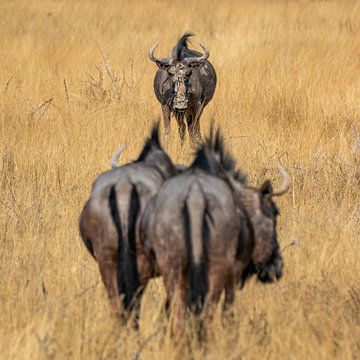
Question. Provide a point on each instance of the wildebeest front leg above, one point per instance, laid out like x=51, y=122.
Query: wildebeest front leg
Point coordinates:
x=145, y=270
x=193, y=122
x=166, y=115
x=182, y=128
x=216, y=285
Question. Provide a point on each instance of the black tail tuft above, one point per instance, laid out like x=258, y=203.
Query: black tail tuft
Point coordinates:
x=116, y=218
x=183, y=41
x=128, y=277
x=198, y=283
x=182, y=44
x=130, y=265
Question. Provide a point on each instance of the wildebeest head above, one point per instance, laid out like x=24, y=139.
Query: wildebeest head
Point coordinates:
x=259, y=204
x=179, y=67
x=267, y=261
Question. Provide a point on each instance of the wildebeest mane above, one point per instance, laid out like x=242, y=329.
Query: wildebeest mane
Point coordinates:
x=181, y=50
x=152, y=142
x=213, y=158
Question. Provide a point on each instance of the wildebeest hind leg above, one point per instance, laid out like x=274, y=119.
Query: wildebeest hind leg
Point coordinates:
x=176, y=292
x=216, y=286
x=108, y=271
x=228, y=310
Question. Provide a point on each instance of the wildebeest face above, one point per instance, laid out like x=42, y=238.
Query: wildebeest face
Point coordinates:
x=263, y=214
x=179, y=70
x=179, y=73
x=269, y=264
x=266, y=258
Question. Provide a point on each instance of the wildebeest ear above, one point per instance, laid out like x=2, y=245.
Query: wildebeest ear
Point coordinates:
x=266, y=188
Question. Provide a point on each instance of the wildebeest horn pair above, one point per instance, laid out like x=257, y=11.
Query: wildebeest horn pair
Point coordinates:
x=184, y=84
x=189, y=60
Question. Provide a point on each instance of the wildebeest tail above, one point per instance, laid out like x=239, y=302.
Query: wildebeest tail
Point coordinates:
x=196, y=234
x=125, y=209
x=178, y=52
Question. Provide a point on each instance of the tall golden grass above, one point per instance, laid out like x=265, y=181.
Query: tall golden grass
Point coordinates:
x=75, y=83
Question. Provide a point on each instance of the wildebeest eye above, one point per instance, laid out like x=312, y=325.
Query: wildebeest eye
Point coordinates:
x=162, y=65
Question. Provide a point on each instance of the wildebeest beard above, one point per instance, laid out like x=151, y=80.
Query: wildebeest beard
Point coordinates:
x=179, y=101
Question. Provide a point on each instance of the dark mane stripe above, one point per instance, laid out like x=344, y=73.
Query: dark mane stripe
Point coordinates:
x=202, y=160
x=152, y=142
x=212, y=157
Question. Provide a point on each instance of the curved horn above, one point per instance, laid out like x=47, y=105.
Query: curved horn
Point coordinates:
x=206, y=53
x=284, y=187
x=151, y=53
x=116, y=156
x=199, y=58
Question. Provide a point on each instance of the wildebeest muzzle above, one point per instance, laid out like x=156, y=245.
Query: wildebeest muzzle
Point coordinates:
x=180, y=101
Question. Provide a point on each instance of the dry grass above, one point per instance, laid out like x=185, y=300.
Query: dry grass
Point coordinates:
x=75, y=82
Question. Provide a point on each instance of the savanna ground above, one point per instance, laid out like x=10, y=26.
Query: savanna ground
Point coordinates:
x=75, y=83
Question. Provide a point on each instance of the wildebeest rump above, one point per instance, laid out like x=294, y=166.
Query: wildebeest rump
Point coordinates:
x=193, y=227
x=184, y=85
x=202, y=234
x=110, y=218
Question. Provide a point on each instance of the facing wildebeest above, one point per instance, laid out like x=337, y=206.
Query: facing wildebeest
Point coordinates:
x=206, y=229
x=110, y=218
x=184, y=85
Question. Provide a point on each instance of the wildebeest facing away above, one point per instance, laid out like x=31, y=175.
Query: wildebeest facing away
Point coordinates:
x=184, y=85
x=205, y=229
x=109, y=223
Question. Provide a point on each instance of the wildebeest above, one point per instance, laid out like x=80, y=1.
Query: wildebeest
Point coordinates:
x=184, y=84
x=205, y=229
x=109, y=223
